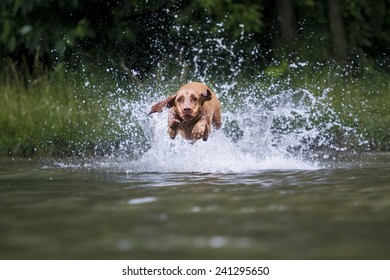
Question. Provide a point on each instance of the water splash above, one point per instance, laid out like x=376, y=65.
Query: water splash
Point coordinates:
x=260, y=131
x=270, y=126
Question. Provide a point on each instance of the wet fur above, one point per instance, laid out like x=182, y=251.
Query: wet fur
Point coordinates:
x=194, y=109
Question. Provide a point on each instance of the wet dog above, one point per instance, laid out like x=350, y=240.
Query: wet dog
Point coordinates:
x=194, y=109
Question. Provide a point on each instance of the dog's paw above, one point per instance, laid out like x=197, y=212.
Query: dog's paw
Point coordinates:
x=199, y=131
x=174, y=124
x=172, y=133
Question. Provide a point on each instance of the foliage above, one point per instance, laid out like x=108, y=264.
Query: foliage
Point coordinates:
x=58, y=113
x=45, y=45
x=135, y=32
x=72, y=114
x=235, y=14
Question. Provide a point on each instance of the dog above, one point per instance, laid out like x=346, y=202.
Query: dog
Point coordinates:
x=194, y=109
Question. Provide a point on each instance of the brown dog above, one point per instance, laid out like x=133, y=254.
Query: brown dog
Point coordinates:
x=193, y=109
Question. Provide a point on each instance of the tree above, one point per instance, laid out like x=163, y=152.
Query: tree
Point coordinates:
x=142, y=33
x=340, y=48
x=287, y=20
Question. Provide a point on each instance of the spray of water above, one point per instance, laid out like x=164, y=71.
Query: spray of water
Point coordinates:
x=264, y=126
x=271, y=132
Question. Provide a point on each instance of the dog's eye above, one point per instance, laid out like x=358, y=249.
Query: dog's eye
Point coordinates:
x=180, y=99
x=194, y=99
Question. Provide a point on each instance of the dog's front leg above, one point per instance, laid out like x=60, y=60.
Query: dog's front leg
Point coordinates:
x=201, y=129
x=173, y=123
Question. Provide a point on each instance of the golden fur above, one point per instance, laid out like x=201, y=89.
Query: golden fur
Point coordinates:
x=194, y=108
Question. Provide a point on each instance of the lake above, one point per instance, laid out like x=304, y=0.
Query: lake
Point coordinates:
x=110, y=208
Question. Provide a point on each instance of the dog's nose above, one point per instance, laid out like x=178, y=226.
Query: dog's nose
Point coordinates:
x=187, y=110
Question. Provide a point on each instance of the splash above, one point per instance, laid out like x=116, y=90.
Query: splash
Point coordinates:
x=262, y=130
x=265, y=125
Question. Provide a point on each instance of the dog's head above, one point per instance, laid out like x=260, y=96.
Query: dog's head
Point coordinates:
x=188, y=103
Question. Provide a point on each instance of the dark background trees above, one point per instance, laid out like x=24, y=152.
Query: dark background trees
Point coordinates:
x=141, y=33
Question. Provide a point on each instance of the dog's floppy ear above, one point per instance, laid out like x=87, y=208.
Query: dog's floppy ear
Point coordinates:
x=206, y=95
x=159, y=106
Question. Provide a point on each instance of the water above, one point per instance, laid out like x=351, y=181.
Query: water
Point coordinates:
x=280, y=180
x=53, y=209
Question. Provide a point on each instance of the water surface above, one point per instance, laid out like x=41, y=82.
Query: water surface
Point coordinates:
x=106, y=209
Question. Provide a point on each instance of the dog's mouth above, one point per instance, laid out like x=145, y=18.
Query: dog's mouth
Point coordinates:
x=187, y=116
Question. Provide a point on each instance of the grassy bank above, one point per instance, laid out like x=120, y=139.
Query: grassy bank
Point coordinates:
x=56, y=113
x=361, y=99
x=70, y=114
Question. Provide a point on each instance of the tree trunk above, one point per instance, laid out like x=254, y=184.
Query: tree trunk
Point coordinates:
x=337, y=29
x=286, y=18
x=378, y=15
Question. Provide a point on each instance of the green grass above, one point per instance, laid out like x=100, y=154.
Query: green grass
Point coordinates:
x=69, y=114
x=53, y=114
x=362, y=100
